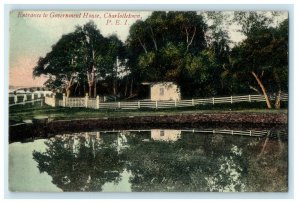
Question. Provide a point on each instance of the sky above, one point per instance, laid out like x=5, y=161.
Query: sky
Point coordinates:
x=32, y=33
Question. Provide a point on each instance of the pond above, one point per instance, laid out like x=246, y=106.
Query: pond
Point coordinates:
x=157, y=160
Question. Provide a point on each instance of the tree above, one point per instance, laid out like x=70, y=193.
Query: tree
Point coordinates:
x=264, y=55
x=218, y=45
x=251, y=20
x=201, y=70
x=193, y=163
x=158, y=46
x=92, y=53
x=112, y=62
x=279, y=47
x=62, y=64
x=80, y=57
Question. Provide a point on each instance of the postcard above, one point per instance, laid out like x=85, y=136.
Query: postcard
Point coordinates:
x=148, y=101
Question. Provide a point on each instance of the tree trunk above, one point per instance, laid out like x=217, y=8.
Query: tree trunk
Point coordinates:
x=277, y=101
x=84, y=89
x=95, y=89
x=143, y=45
x=253, y=88
x=281, y=147
x=76, y=88
x=126, y=87
x=153, y=39
x=131, y=87
x=91, y=81
x=263, y=147
x=189, y=42
x=114, y=88
x=278, y=95
x=91, y=74
x=263, y=90
x=68, y=92
x=90, y=90
x=68, y=86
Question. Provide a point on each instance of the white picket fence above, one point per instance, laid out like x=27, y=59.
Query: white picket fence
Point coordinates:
x=75, y=102
x=143, y=104
x=184, y=103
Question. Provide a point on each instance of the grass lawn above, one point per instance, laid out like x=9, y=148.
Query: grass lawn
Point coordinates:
x=29, y=111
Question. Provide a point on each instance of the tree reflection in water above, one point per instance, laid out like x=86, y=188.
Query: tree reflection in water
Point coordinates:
x=193, y=163
x=183, y=162
x=80, y=163
x=268, y=168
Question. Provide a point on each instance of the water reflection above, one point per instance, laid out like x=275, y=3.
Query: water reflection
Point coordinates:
x=165, y=134
x=81, y=162
x=165, y=160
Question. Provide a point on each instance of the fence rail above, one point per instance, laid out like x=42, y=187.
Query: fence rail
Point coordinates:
x=254, y=133
x=98, y=104
x=27, y=102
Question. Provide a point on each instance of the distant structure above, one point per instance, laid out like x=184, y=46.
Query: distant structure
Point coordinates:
x=162, y=91
x=29, y=90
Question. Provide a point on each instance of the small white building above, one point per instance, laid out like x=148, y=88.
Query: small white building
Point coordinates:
x=164, y=91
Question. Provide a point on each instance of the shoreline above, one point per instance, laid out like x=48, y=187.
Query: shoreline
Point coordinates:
x=46, y=128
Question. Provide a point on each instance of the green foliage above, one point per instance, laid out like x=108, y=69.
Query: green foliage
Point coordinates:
x=189, y=48
x=79, y=57
x=62, y=63
x=265, y=52
x=159, y=46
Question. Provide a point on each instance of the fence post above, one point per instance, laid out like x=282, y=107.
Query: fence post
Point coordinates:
x=86, y=99
x=249, y=98
x=175, y=103
x=213, y=100
x=24, y=98
x=139, y=104
x=97, y=102
x=32, y=98
x=39, y=95
x=193, y=102
x=16, y=99
x=54, y=100
x=64, y=100
x=156, y=104
x=230, y=99
x=119, y=105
